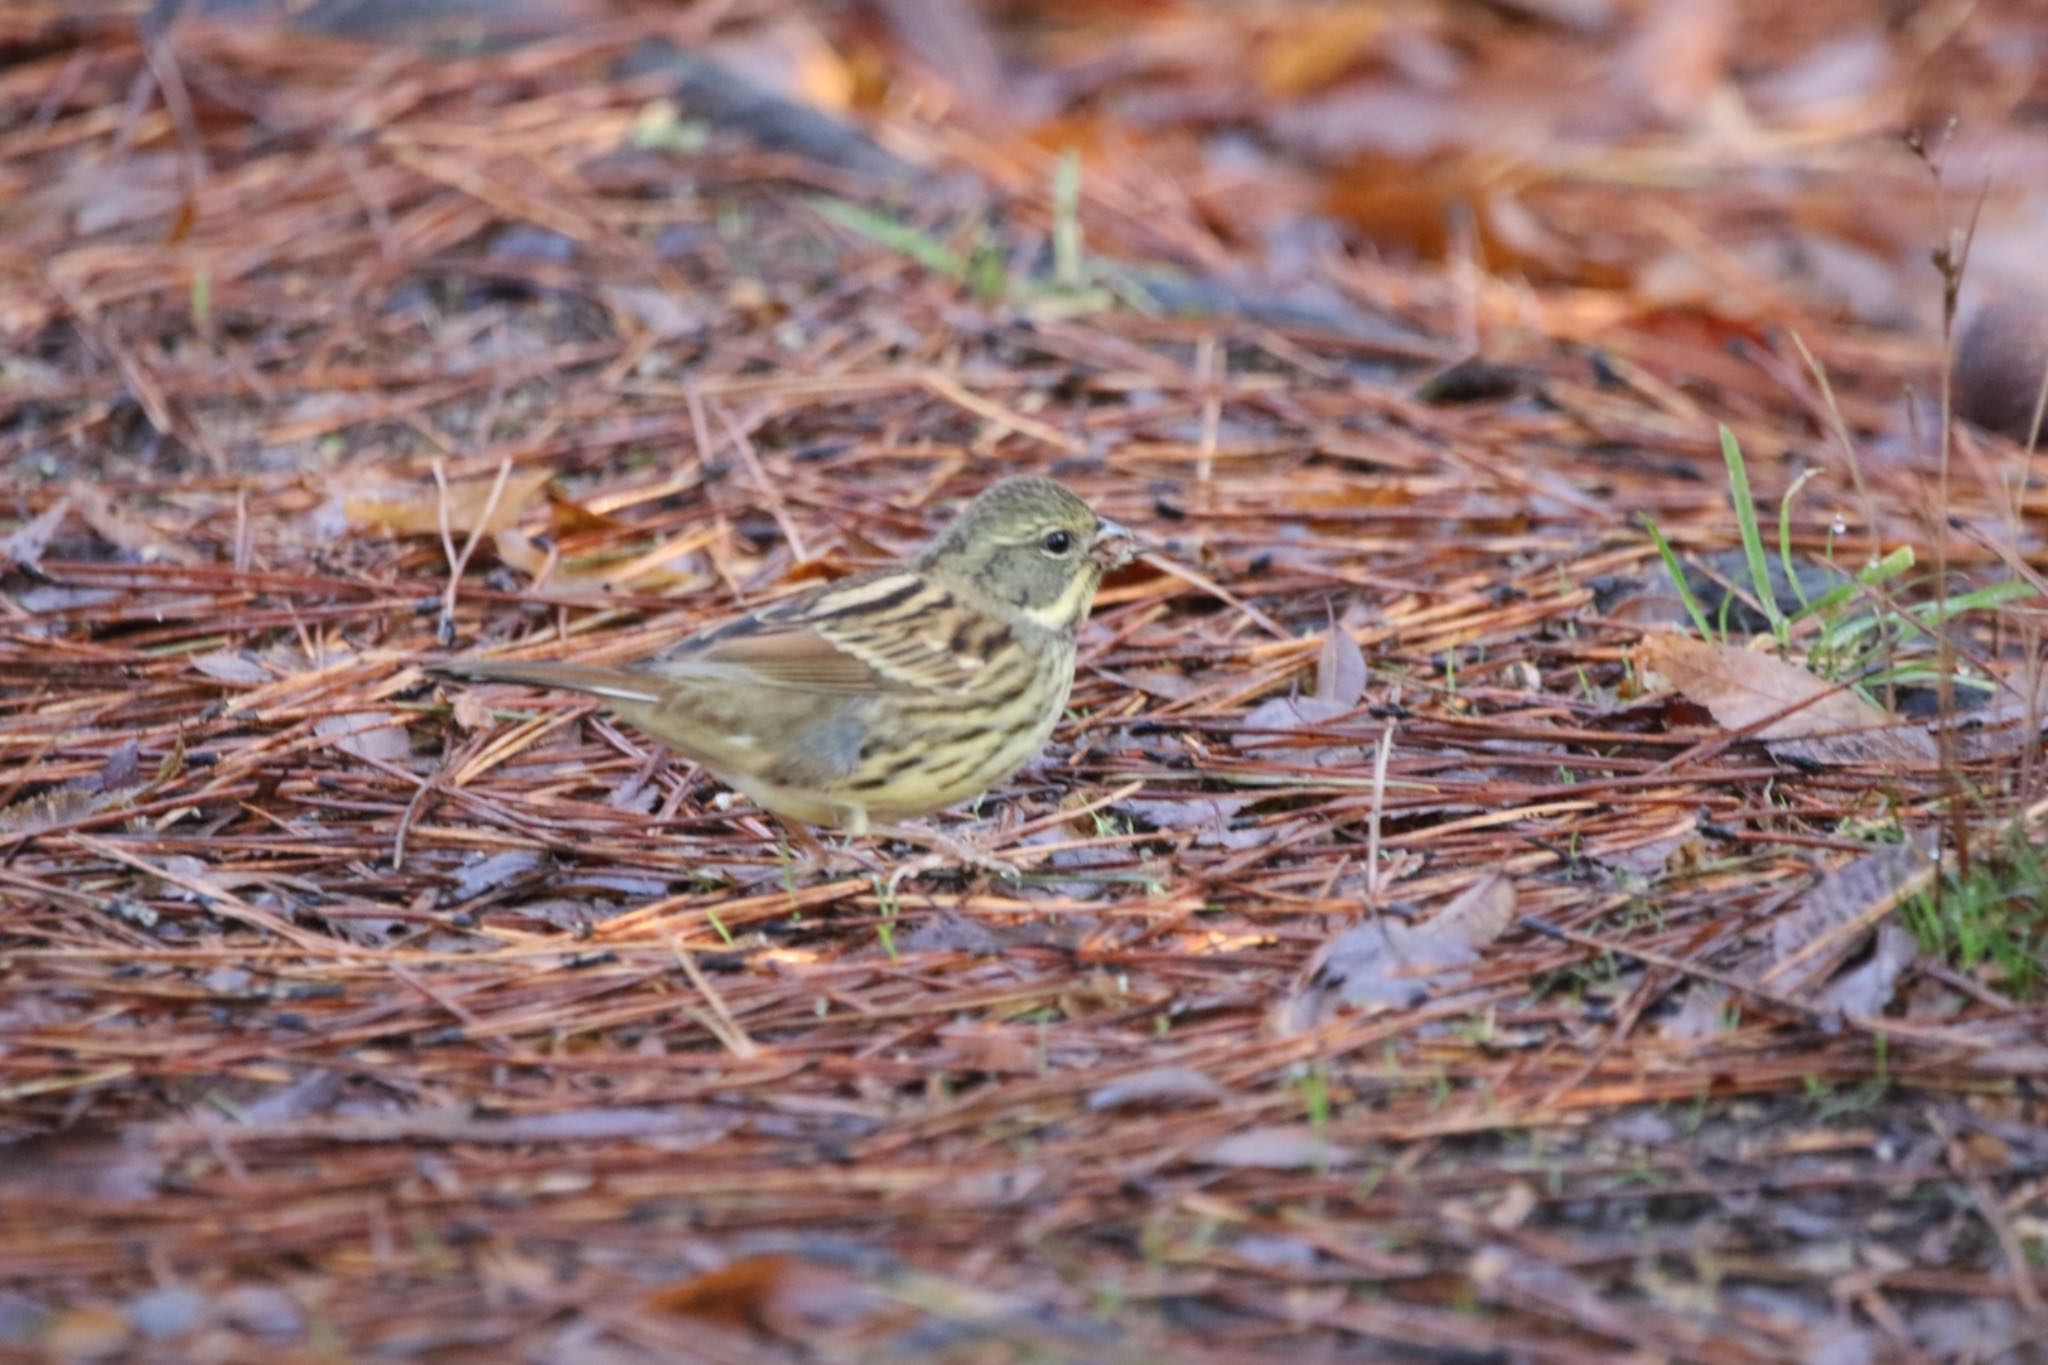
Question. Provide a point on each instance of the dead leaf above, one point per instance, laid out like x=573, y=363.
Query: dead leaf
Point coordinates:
x=786, y=1296
x=949, y=931
x=126, y=531
x=123, y=768
x=1828, y=920
x=1340, y=683
x=1168, y=684
x=372, y=736
x=790, y=58
x=471, y=711
x=1649, y=858
x=1388, y=963
x=1211, y=815
x=22, y=548
x=414, y=509
x=84, y=1165
x=1868, y=987
x=231, y=666
x=1340, y=669
x=1702, y=1013
x=47, y=810
x=89, y=1333
x=568, y=517
x=494, y=871
x=1317, y=47
x=664, y=568
x=1795, y=713
x=1276, y=1147
x=1159, y=1085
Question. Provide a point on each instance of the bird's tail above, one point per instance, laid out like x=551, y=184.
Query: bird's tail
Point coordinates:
x=613, y=684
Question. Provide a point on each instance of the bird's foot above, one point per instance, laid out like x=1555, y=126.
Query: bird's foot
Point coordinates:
x=943, y=853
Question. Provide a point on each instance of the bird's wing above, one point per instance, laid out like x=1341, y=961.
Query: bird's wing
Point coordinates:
x=895, y=631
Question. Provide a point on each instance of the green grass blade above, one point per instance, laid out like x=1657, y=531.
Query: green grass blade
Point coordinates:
x=1785, y=538
x=1672, y=567
x=898, y=237
x=1752, y=539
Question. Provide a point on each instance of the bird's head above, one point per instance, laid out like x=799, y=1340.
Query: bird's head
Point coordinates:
x=1030, y=547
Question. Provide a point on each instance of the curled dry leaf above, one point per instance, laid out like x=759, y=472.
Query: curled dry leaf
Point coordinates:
x=1830, y=919
x=1340, y=684
x=1386, y=962
x=1796, y=714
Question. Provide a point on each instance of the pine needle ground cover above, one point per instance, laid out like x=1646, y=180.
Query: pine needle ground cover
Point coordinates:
x=1544, y=864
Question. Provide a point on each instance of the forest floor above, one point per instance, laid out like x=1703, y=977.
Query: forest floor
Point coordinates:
x=1442, y=933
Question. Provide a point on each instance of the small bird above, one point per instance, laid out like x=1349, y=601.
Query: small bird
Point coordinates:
x=887, y=695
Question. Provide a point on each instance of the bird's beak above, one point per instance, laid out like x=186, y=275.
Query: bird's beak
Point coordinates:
x=1114, y=545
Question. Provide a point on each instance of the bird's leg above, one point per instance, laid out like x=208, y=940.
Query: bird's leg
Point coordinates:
x=829, y=861
x=943, y=851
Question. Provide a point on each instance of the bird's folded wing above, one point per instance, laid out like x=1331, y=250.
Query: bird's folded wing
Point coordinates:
x=894, y=632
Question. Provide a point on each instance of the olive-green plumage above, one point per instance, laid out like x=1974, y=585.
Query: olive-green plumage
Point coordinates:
x=886, y=695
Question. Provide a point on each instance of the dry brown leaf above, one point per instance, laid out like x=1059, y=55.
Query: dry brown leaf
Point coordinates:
x=1796, y=714
x=414, y=509
x=568, y=517
x=785, y=1296
x=791, y=58
x=666, y=567
x=1388, y=963
x=1831, y=918
x=1703, y=1012
x=1316, y=47
x=1340, y=684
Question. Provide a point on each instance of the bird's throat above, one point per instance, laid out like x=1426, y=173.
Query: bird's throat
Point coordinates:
x=1063, y=614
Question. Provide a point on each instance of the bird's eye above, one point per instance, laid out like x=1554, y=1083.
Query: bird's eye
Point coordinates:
x=1057, y=542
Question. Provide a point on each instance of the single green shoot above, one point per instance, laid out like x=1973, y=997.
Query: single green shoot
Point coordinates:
x=1785, y=538
x=1672, y=567
x=1752, y=538
x=898, y=237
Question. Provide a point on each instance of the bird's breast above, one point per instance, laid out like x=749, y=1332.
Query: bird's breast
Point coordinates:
x=924, y=753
